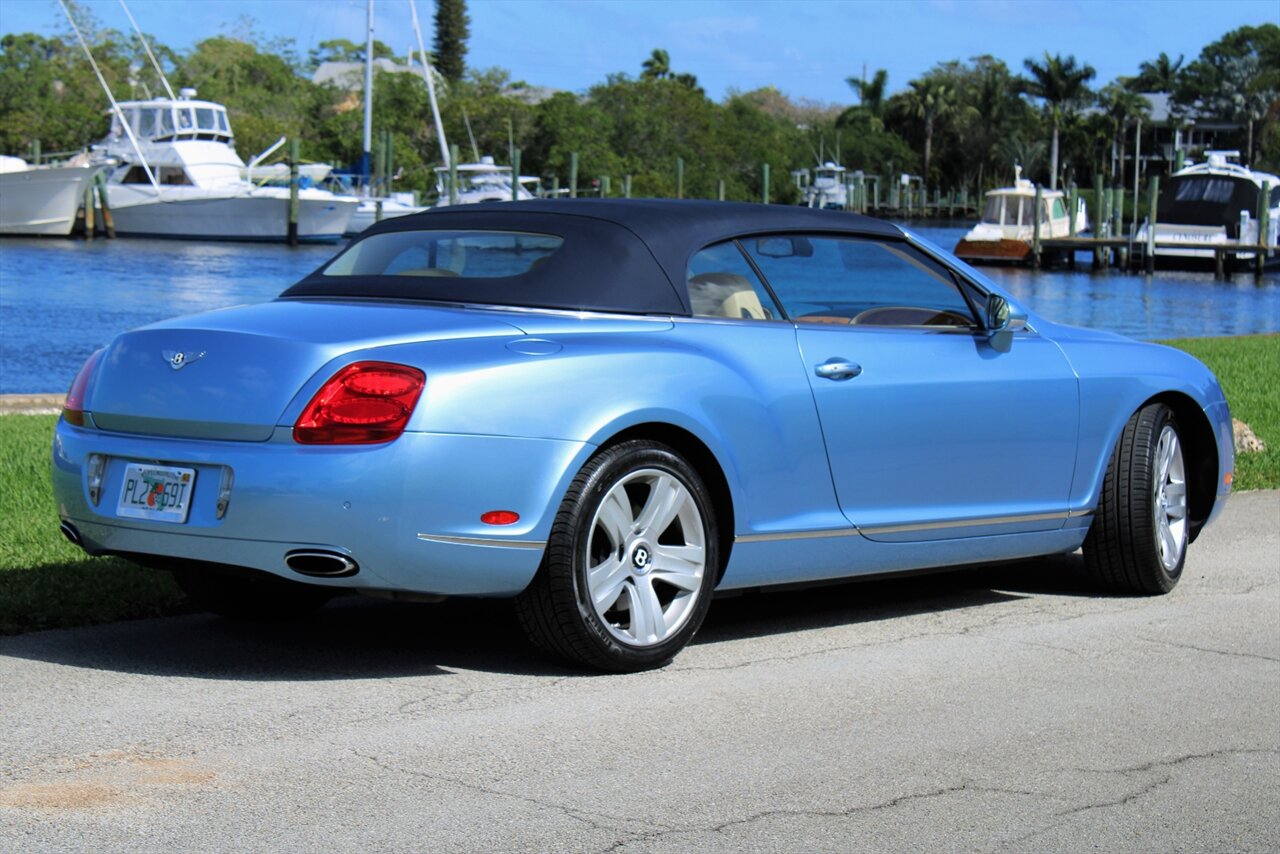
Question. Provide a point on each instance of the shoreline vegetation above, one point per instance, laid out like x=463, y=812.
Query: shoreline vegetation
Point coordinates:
x=959, y=126
x=46, y=583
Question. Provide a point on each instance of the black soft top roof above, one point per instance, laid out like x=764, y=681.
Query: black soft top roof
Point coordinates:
x=619, y=255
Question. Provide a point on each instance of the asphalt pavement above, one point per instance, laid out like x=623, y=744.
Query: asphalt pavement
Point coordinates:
x=1003, y=708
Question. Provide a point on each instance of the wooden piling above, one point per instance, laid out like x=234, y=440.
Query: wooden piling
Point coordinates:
x=1264, y=225
x=605, y=186
x=108, y=221
x=573, y=174
x=388, y=161
x=626, y=186
x=379, y=167
x=35, y=152
x=679, y=177
x=720, y=189
x=292, y=230
x=555, y=186
x=515, y=175
x=88, y=212
x=453, y=174
x=1152, y=197
x=1097, y=221
x=764, y=188
x=1035, y=227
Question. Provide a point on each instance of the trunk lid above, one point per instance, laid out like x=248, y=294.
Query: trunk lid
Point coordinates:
x=231, y=374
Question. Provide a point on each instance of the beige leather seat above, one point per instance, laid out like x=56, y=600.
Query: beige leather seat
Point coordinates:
x=724, y=295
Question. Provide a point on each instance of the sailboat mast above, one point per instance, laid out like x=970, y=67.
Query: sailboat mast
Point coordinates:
x=367, y=157
x=431, y=86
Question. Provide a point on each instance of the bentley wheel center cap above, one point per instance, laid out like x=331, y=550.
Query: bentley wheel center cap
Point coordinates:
x=641, y=558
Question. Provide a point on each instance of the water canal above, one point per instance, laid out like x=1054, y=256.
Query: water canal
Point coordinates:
x=62, y=299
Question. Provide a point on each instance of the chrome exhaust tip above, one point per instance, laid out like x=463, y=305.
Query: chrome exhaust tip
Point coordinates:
x=321, y=564
x=69, y=531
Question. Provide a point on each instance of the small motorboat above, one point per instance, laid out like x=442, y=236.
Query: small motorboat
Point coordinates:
x=1007, y=227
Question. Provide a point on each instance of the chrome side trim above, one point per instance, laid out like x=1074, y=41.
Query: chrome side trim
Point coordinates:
x=488, y=542
x=967, y=523
x=797, y=535
x=918, y=526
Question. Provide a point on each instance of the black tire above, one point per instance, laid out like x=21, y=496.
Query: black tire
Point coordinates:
x=1123, y=551
x=248, y=595
x=557, y=610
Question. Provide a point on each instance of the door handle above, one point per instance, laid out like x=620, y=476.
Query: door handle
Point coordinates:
x=838, y=369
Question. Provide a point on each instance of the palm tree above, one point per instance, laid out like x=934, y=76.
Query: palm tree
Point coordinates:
x=1122, y=107
x=657, y=66
x=1061, y=84
x=1160, y=75
x=932, y=102
x=871, y=102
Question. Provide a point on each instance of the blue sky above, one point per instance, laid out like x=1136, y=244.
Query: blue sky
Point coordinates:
x=806, y=48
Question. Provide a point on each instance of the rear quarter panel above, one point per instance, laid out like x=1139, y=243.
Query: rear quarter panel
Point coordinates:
x=738, y=388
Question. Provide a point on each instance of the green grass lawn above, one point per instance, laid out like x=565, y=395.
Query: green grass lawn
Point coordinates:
x=45, y=582
x=1249, y=370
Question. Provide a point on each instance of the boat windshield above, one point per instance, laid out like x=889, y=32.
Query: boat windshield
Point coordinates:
x=1008, y=209
x=1207, y=200
x=991, y=212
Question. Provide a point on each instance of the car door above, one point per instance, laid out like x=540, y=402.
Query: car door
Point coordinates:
x=931, y=431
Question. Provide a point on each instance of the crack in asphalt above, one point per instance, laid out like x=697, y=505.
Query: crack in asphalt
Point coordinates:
x=966, y=786
x=1144, y=790
x=1227, y=652
x=994, y=621
x=595, y=821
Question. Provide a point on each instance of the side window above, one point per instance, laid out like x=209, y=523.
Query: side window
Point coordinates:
x=722, y=284
x=866, y=282
x=1059, y=209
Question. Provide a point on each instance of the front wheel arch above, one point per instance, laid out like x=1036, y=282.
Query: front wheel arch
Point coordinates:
x=1200, y=446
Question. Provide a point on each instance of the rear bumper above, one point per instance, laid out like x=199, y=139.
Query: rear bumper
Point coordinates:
x=407, y=512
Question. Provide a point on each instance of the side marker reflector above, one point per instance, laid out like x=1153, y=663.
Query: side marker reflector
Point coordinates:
x=500, y=517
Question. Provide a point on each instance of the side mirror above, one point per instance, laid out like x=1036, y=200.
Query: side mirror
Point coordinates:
x=1002, y=321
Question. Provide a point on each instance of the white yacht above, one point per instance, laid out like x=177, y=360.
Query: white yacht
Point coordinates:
x=198, y=190
x=42, y=200
x=828, y=188
x=480, y=182
x=393, y=205
x=1007, y=227
x=1212, y=204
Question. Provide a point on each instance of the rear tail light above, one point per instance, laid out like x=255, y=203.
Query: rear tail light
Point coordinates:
x=73, y=407
x=361, y=404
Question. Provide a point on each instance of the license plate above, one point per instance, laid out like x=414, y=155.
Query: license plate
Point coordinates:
x=158, y=493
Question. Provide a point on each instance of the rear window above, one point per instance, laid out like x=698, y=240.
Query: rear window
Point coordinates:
x=460, y=254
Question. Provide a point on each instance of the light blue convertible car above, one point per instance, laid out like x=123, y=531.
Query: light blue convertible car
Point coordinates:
x=610, y=410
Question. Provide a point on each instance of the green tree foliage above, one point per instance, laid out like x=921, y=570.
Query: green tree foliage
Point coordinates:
x=265, y=98
x=1121, y=107
x=49, y=93
x=453, y=28
x=1236, y=78
x=345, y=50
x=869, y=110
x=1063, y=86
x=930, y=101
x=1161, y=74
x=963, y=124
